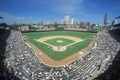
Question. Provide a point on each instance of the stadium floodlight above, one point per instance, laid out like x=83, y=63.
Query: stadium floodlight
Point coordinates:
x=117, y=17
x=1, y=17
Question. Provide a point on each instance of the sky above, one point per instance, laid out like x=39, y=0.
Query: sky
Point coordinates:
x=34, y=11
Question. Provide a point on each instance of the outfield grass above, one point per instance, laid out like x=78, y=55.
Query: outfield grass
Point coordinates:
x=60, y=55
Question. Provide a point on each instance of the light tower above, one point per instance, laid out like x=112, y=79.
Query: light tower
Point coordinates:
x=1, y=17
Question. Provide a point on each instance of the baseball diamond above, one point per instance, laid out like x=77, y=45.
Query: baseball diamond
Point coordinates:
x=60, y=40
x=59, y=45
x=62, y=44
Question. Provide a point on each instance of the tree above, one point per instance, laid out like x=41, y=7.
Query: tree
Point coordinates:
x=3, y=24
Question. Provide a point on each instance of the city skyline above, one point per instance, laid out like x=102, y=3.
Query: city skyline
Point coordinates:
x=29, y=11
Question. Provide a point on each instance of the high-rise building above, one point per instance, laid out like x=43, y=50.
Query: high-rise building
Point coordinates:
x=67, y=19
x=114, y=22
x=73, y=21
x=62, y=22
x=106, y=20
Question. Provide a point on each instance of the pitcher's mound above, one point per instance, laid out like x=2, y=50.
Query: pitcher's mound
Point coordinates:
x=59, y=48
x=59, y=41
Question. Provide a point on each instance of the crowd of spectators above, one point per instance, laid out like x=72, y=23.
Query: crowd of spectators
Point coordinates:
x=113, y=65
x=20, y=60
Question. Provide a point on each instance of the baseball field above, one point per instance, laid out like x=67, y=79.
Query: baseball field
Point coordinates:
x=59, y=45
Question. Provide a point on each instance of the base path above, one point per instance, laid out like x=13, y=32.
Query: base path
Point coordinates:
x=45, y=59
x=59, y=48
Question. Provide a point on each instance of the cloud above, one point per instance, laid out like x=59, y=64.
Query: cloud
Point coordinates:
x=68, y=6
x=9, y=18
x=19, y=18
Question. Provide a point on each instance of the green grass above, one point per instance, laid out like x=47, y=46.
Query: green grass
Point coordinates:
x=55, y=43
x=60, y=55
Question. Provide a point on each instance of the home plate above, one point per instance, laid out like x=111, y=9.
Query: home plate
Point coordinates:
x=80, y=52
x=40, y=53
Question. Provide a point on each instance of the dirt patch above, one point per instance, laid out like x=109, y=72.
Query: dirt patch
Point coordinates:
x=50, y=62
x=59, y=48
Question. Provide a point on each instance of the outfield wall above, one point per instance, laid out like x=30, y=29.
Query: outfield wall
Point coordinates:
x=61, y=29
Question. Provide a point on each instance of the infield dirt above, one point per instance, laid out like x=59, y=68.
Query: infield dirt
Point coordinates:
x=59, y=48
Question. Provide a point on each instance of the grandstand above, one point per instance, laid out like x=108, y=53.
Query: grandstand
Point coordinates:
x=18, y=60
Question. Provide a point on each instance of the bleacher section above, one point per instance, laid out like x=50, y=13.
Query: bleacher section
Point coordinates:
x=113, y=66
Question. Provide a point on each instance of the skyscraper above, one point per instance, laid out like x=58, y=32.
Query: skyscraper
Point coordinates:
x=73, y=21
x=106, y=20
x=114, y=22
x=67, y=19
